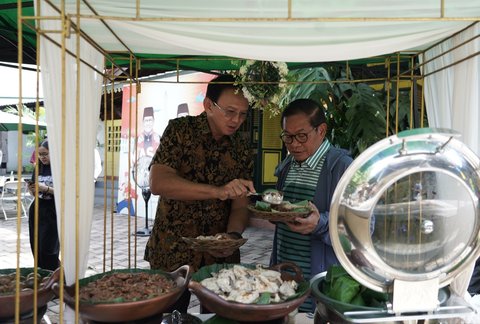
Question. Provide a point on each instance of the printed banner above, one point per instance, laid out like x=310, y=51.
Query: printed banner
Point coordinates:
x=144, y=118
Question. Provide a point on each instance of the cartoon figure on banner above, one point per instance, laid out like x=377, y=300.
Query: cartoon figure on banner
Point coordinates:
x=148, y=141
x=147, y=144
x=182, y=110
x=127, y=202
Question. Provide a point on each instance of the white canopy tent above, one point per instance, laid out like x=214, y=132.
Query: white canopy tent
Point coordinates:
x=308, y=31
x=312, y=31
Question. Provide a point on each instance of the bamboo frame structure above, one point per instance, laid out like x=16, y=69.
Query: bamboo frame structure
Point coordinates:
x=72, y=23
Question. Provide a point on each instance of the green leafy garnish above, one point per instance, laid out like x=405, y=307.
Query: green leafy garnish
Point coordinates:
x=263, y=206
x=264, y=298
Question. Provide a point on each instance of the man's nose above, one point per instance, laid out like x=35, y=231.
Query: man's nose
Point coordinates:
x=237, y=118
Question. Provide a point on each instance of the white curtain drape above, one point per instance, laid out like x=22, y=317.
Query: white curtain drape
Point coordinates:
x=452, y=99
x=71, y=180
x=452, y=95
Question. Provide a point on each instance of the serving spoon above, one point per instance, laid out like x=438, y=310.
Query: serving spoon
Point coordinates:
x=270, y=196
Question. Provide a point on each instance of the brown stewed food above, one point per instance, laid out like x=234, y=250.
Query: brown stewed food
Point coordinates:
x=8, y=282
x=126, y=287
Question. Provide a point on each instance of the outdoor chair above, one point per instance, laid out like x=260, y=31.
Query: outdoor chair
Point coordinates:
x=10, y=196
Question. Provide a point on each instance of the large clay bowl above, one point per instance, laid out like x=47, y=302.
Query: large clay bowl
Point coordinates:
x=254, y=312
x=44, y=295
x=128, y=311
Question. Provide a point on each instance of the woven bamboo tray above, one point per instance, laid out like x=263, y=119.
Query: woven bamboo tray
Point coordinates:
x=277, y=216
x=205, y=245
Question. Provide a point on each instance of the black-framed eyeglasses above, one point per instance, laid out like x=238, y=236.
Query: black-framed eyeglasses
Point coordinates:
x=300, y=137
x=230, y=113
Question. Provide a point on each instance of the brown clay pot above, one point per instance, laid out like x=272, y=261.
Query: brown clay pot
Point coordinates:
x=251, y=312
x=44, y=295
x=129, y=311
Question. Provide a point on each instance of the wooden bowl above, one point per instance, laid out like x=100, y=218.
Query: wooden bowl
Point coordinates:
x=44, y=295
x=277, y=216
x=254, y=312
x=132, y=310
x=205, y=245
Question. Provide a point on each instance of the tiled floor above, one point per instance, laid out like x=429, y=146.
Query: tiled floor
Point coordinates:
x=118, y=248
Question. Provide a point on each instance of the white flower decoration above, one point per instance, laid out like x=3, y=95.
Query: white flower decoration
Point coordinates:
x=263, y=84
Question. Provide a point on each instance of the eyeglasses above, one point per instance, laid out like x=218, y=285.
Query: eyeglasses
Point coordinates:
x=231, y=114
x=42, y=154
x=300, y=137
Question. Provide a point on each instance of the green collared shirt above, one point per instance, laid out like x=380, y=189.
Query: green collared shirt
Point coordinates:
x=300, y=184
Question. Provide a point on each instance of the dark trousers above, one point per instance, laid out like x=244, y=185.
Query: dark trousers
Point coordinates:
x=46, y=234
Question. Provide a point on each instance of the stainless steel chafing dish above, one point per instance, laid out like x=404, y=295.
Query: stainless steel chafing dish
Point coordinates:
x=405, y=220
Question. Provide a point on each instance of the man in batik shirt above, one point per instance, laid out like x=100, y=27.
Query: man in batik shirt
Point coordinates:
x=202, y=170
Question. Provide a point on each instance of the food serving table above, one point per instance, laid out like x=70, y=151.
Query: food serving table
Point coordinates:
x=299, y=318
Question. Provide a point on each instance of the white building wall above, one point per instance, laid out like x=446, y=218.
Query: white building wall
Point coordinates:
x=12, y=151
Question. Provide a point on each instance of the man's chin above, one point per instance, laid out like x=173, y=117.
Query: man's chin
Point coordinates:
x=230, y=131
x=299, y=158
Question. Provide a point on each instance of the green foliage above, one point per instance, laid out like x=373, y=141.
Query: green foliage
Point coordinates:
x=29, y=168
x=366, y=118
x=356, y=113
x=30, y=141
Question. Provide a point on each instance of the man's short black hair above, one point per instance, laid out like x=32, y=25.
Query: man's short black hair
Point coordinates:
x=219, y=84
x=306, y=106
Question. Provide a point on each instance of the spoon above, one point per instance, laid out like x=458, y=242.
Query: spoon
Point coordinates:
x=271, y=196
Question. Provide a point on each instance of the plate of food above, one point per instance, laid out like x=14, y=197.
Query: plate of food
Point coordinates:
x=127, y=294
x=220, y=241
x=284, y=212
x=255, y=293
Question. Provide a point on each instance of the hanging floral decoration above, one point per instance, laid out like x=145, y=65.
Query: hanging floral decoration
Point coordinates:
x=263, y=83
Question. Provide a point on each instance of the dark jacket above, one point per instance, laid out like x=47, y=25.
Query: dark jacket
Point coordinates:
x=336, y=162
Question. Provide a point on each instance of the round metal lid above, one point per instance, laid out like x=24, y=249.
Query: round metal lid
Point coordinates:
x=408, y=208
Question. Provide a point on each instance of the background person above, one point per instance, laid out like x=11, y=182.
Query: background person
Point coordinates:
x=47, y=235
x=310, y=172
x=33, y=158
x=203, y=171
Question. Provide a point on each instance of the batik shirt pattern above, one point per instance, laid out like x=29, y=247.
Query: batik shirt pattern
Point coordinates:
x=187, y=146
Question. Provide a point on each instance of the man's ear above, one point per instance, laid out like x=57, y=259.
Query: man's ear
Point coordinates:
x=322, y=128
x=207, y=104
